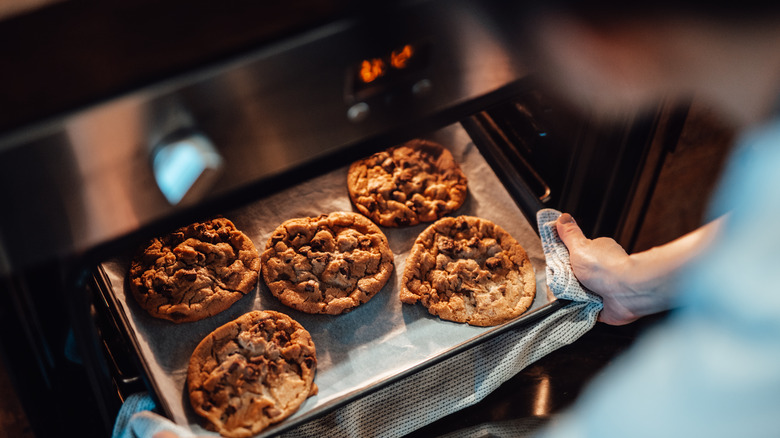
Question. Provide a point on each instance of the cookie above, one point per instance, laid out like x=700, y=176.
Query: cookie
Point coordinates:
x=469, y=270
x=194, y=272
x=418, y=181
x=328, y=264
x=252, y=372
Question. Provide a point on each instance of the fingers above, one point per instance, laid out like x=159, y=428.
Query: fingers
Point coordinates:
x=569, y=232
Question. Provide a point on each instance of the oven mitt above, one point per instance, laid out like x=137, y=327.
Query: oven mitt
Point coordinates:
x=448, y=386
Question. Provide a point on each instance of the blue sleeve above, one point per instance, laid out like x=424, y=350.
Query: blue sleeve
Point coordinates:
x=713, y=368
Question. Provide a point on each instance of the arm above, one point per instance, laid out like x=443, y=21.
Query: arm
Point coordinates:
x=633, y=285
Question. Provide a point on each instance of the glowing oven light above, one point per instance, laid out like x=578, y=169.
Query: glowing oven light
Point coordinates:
x=372, y=69
x=399, y=58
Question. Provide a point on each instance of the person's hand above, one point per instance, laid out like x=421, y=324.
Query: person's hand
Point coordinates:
x=635, y=285
x=601, y=266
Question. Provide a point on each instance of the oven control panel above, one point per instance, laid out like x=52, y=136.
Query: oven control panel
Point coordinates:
x=392, y=78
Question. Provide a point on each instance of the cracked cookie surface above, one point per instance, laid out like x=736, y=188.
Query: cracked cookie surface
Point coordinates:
x=469, y=270
x=418, y=181
x=327, y=264
x=252, y=372
x=194, y=272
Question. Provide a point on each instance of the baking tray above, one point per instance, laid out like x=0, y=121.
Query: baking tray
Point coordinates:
x=357, y=352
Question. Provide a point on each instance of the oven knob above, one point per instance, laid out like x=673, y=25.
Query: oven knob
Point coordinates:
x=358, y=112
x=422, y=88
x=185, y=166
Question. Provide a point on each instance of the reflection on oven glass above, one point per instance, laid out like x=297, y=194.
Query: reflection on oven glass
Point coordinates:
x=179, y=164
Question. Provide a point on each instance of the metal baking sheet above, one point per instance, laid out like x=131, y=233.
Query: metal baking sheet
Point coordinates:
x=357, y=351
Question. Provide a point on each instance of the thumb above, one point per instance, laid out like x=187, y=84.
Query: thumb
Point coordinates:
x=569, y=232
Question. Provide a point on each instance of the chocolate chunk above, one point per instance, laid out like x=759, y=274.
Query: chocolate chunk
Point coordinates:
x=401, y=221
x=272, y=411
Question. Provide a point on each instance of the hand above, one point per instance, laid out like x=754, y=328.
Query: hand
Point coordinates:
x=600, y=265
x=635, y=285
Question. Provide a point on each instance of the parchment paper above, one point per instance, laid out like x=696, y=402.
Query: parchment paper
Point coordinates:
x=374, y=342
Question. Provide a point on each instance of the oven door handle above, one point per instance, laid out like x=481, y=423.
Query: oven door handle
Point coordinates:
x=530, y=200
x=499, y=140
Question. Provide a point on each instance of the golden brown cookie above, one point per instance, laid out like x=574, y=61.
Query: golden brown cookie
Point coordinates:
x=327, y=264
x=252, y=372
x=194, y=272
x=467, y=269
x=418, y=181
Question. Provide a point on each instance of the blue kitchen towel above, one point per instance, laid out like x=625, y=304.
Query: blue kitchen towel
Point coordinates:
x=560, y=277
x=136, y=419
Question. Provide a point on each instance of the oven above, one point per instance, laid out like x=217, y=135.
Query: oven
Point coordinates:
x=189, y=124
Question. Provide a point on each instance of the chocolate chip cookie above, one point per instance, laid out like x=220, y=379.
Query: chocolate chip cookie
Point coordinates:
x=194, y=272
x=327, y=264
x=418, y=181
x=467, y=269
x=252, y=372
